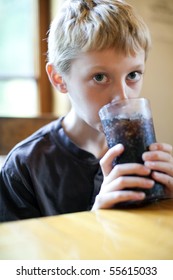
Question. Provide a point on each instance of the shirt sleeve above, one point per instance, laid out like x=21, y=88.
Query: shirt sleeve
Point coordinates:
x=17, y=199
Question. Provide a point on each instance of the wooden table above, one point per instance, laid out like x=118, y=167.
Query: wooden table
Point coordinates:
x=143, y=233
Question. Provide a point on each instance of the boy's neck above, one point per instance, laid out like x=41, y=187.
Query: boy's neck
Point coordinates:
x=84, y=136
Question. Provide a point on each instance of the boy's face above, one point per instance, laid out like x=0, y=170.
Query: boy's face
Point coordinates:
x=97, y=78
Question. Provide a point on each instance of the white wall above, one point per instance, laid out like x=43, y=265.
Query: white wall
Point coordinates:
x=158, y=81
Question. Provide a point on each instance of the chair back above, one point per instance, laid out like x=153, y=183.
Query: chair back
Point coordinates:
x=15, y=129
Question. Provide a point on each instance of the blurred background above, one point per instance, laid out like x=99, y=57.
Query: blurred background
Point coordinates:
x=25, y=90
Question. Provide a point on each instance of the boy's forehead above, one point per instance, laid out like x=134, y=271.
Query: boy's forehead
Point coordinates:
x=109, y=56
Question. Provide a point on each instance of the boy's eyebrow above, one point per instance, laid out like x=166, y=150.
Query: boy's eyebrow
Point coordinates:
x=132, y=67
x=138, y=66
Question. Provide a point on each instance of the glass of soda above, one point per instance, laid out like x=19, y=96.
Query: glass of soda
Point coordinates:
x=130, y=122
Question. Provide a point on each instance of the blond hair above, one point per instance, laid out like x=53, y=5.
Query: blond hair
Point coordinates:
x=83, y=26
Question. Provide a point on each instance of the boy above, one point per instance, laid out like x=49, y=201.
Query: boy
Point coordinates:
x=96, y=53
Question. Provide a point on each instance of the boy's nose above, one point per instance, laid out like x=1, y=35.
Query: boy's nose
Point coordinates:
x=119, y=92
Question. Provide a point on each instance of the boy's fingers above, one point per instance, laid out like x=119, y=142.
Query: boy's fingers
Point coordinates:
x=162, y=147
x=108, y=200
x=111, y=154
x=128, y=182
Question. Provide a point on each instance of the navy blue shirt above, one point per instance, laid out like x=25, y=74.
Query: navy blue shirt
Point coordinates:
x=47, y=174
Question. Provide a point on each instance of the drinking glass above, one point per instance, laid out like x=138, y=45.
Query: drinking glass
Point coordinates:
x=130, y=122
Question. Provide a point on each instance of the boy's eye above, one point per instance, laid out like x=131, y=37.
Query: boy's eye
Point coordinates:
x=100, y=78
x=134, y=76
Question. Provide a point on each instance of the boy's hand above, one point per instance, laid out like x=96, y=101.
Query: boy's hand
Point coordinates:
x=116, y=180
x=160, y=159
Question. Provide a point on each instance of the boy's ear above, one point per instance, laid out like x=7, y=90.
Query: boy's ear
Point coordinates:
x=56, y=79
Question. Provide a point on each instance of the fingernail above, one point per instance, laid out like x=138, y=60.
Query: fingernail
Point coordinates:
x=140, y=195
x=149, y=163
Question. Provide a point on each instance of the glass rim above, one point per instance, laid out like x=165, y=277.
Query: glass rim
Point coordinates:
x=126, y=100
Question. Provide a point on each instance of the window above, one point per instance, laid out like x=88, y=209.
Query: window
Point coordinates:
x=24, y=86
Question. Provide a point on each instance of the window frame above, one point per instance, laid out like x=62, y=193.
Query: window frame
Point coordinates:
x=44, y=86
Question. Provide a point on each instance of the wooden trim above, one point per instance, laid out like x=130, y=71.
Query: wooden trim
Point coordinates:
x=45, y=92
